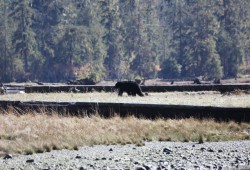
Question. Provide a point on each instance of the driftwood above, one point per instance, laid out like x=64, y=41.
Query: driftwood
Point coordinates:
x=90, y=88
x=197, y=81
x=151, y=111
x=217, y=81
x=85, y=81
x=67, y=88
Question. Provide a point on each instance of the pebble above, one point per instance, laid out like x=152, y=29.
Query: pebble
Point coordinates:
x=7, y=156
x=167, y=151
x=152, y=156
x=30, y=161
x=78, y=157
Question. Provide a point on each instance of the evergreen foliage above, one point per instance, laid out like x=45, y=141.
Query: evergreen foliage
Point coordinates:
x=57, y=40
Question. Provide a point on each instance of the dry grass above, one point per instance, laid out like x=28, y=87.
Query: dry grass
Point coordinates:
x=41, y=132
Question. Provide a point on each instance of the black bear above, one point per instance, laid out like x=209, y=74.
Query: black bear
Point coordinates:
x=131, y=87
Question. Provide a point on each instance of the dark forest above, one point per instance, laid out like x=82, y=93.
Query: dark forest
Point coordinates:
x=57, y=40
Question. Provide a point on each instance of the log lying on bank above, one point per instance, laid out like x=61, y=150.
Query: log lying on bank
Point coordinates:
x=197, y=87
x=151, y=111
x=91, y=88
x=67, y=88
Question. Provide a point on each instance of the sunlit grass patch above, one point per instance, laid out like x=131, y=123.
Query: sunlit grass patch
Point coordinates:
x=205, y=98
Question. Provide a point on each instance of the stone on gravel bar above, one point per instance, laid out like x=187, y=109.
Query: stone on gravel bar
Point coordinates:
x=154, y=155
x=167, y=151
x=140, y=168
x=78, y=157
x=7, y=156
x=30, y=161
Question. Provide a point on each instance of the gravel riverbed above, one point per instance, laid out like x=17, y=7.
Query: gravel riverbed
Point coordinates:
x=153, y=155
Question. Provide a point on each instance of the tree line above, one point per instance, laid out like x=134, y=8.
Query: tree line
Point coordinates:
x=57, y=40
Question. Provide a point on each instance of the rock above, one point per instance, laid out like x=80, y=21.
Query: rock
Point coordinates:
x=197, y=167
x=208, y=166
x=167, y=151
x=185, y=158
x=78, y=157
x=163, y=163
x=159, y=168
x=30, y=161
x=203, y=149
x=220, y=167
x=90, y=165
x=136, y=163
x=82, y=168
x=147, y=167
x=197, y=81
x=140, y=168
x=220, y=150
x=210, y=150
x=154, y=155
x=7, y=156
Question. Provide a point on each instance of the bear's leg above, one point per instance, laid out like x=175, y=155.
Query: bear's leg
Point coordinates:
x=129, y=93
x=133, y=93
x=120, y=92
x=139, y=92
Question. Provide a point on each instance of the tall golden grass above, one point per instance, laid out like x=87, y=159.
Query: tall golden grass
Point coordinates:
x=41, y=132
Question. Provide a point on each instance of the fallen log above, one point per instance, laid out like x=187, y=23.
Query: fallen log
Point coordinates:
x=91, y=88
x=151, y=111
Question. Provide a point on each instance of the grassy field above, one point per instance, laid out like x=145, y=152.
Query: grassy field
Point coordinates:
x=235, y=99
x=36, y=133
x=41, y=132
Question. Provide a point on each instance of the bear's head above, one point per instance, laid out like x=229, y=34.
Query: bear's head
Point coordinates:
x=118, y=85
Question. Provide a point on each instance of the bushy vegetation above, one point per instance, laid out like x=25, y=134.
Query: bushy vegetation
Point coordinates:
x=74, y=39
